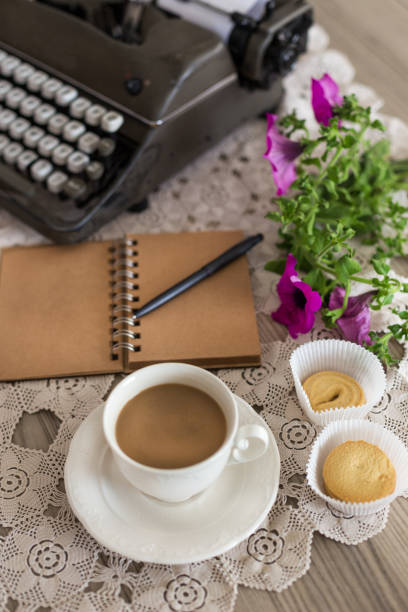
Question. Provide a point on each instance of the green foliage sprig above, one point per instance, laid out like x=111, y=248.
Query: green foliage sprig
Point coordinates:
x=345, y=191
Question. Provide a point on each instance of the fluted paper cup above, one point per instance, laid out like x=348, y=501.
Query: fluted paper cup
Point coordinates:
x=357, y=429
x=339, y=356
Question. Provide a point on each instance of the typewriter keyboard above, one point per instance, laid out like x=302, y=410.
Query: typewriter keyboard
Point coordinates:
x=54, y=135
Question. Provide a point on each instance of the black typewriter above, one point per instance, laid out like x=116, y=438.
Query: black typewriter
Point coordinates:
x=100, y=101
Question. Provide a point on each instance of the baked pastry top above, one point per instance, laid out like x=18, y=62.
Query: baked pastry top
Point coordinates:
x=329, y=389
x=357, y=471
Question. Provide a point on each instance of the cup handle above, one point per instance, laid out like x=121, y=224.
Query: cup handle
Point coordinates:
x=251, y=441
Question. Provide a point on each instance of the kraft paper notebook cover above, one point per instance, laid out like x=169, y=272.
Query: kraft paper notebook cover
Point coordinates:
x=64, y=310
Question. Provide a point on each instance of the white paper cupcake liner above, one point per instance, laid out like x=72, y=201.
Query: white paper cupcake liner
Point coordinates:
x=358, y=429
x=339, y=356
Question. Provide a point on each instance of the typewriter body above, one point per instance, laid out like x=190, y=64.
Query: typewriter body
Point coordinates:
x=91, y=123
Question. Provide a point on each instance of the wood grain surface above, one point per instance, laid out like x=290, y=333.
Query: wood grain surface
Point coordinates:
x=373, y=33
x=373, y=575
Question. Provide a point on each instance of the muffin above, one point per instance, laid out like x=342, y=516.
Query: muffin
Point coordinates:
x=357, y=471
x=329, y=389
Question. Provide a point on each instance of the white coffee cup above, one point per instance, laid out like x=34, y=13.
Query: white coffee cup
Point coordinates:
x=176, y=485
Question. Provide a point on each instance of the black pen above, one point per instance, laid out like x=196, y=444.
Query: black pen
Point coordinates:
x=223, y=260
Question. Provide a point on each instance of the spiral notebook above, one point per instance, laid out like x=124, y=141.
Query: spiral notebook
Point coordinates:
x=66, y=310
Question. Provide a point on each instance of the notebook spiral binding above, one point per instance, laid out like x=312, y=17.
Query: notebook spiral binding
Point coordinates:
x=124, y=283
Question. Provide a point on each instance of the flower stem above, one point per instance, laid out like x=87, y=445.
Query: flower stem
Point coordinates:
x=359, y=279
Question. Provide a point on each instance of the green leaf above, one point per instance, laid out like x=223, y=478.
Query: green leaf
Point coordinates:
x=331, y=187
x=346, y=267
x=316, y=279
x=349, y=141
x=275, y=216
x=377, y=125
x=380, y=266
x=312, y=161
x=336, y=211
x=331, y=316
x=333, y=173
x=277, y=266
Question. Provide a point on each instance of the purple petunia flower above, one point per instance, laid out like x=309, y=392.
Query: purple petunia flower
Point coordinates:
x=354, y=323
x=281, y=153
x=325, y=96
x=299, y=301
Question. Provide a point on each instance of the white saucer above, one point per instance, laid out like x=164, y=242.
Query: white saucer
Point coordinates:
x=126, y=521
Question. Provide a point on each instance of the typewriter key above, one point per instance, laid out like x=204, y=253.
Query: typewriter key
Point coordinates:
x=36, y=80
x=26, y=159
x=77, y=162
x=95, y=170
x=47, y=145
x=75, y=188
x=22, y=73
x=15, y=96
x=56, y=181
x=41, y=169
x=18, y=128
x=43, y=113
x=78, y=107
x=65, y=95
x=12, y=151
x=61, y=153
x=56, y=123
x=9, y=65
x=33, y=136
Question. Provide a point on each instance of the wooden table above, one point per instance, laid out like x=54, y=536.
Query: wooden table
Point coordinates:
x=373, y=575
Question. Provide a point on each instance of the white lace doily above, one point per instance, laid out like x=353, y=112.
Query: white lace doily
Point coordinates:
x=47, y=558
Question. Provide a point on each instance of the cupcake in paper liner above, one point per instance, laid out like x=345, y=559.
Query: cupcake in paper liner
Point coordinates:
x=343, y=358
x=359, y=430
